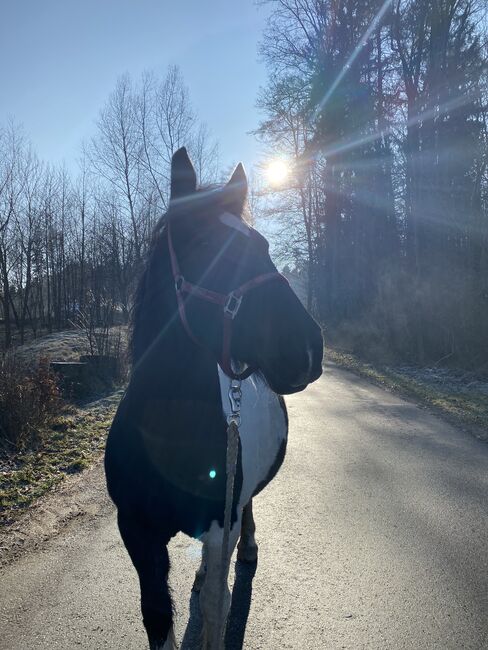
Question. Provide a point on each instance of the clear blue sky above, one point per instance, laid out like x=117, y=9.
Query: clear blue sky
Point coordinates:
x=59, y=60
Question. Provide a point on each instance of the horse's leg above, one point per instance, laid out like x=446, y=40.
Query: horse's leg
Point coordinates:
x=209, y=595
x=149, y=555
x=201, y=573
x=247, y=549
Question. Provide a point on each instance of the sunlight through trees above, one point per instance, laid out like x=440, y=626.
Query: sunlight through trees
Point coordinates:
x=382, y=107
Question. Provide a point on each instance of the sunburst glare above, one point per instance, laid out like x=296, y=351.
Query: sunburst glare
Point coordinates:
x=277, y=171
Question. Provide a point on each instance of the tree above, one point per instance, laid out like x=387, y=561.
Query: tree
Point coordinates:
x=12, y=146
x=393, y=104
x=116, y=152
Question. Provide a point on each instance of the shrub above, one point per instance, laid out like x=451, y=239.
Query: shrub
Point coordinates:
x=29, y=399
x=102, y=338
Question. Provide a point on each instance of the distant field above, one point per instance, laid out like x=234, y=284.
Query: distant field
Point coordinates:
x=66, y=345
x=60, y=346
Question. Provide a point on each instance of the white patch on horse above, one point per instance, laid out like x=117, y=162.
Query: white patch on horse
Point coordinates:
x=262, y=431
x=232, y=221
x=210, y=589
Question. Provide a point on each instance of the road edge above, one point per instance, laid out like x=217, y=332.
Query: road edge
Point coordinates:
x=408, y=388
x=82, y=495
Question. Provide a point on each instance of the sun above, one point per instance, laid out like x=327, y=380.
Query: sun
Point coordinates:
x=277, y=171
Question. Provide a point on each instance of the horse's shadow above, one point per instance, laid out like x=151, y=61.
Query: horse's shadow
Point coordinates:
x=238, y=615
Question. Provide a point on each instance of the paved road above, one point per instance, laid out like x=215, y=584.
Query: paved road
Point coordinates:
x=374, y=535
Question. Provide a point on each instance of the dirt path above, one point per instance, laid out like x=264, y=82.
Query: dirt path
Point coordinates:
x=372, y=536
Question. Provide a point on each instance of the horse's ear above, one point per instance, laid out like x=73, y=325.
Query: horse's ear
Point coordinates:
x=183, y=176
x=236, y=190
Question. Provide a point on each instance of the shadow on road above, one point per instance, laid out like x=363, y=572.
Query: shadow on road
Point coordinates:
x=239, y=612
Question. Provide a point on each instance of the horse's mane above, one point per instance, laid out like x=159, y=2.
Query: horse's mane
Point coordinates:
x=141, y=289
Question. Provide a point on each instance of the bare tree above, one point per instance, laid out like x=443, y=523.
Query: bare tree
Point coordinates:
x=115, y=152
x=12, y=145
x=72, y=245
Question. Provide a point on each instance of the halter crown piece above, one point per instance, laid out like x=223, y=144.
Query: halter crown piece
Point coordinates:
x=230, y=304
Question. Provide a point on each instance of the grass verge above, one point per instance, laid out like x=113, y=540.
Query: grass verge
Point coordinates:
x=75, y=439
x=463, y=408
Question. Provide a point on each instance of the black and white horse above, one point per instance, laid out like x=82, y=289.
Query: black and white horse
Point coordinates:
x=209, y=298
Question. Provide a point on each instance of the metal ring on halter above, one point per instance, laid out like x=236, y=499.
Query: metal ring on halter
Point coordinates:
x=232, y=305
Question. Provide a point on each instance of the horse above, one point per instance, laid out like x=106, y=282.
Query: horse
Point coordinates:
x=210, y=307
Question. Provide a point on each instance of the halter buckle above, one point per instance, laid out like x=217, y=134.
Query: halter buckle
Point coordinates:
x=232, y=305
x=179, y=283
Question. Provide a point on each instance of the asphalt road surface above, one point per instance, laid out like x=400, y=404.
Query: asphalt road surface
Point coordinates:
x=373, y=535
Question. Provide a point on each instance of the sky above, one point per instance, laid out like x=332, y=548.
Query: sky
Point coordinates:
x=60, y=59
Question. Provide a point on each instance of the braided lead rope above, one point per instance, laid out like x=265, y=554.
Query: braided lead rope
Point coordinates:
x=233, y=422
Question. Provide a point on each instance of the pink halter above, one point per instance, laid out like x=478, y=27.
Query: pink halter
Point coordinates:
x=230, y=304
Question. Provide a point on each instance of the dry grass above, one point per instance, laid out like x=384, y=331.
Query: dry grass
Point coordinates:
x=59, y=446
x=67, y=345
x=74, y=441
x=60, y=346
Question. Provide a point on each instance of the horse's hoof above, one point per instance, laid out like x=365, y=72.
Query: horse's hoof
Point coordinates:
x=248, y=554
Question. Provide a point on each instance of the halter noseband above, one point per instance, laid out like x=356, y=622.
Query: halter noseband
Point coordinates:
x=230, y=304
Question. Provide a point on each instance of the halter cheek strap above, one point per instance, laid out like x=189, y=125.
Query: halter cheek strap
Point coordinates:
x=230, y=304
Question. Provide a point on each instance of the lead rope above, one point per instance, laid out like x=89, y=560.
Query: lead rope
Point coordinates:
x=233, y=424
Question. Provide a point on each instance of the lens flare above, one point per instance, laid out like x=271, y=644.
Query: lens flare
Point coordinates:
x=277, y=171
x=212, y=473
